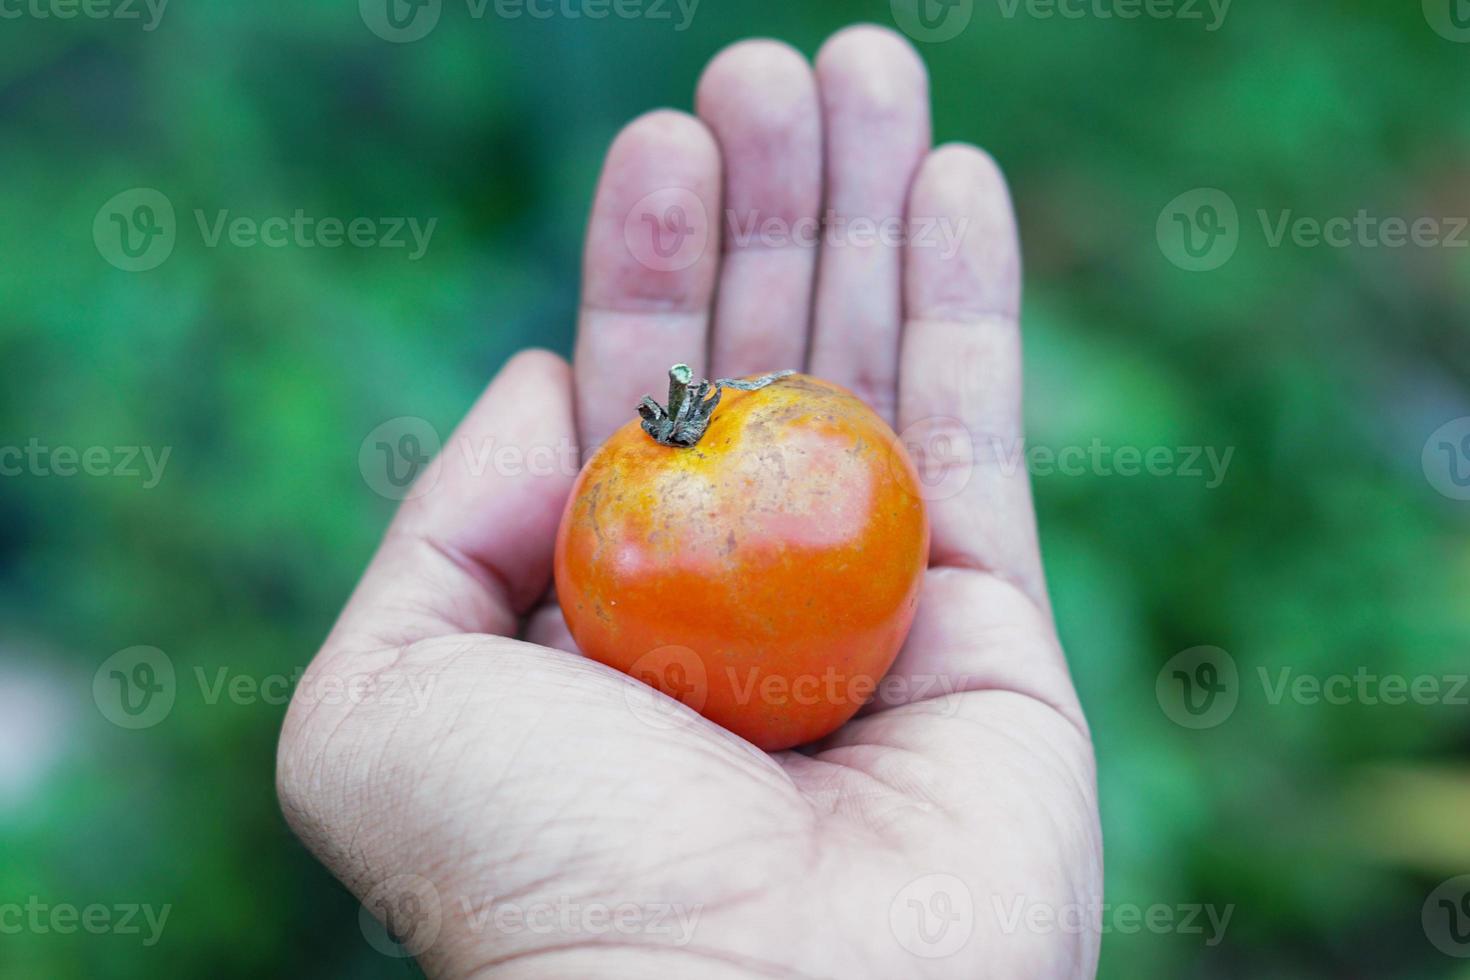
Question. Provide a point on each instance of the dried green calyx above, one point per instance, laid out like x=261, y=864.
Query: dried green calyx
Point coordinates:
x=691, y=404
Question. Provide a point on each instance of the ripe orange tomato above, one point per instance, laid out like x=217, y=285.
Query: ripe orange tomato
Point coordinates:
x=765, y=575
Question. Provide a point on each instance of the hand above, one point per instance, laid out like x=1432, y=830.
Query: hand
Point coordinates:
x=545, y=816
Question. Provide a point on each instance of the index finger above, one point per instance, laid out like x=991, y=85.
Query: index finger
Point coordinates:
x=960, y=371
x=649, y=268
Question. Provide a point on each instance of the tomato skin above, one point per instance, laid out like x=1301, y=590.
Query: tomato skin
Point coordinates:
x=766, y=576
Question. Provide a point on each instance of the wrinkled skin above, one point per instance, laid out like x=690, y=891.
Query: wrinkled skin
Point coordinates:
x=767, y=576
x=530, y=774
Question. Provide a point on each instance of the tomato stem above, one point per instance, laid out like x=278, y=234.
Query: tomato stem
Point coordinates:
x=691, y=405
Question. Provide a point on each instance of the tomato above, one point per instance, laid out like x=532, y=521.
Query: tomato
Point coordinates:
x=766, y=575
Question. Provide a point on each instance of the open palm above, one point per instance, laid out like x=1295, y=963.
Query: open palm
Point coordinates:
x=533, y=813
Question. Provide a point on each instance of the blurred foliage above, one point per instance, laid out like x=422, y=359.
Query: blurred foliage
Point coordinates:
x=1324, y=550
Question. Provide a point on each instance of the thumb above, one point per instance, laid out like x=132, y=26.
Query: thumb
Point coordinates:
x=471, y=548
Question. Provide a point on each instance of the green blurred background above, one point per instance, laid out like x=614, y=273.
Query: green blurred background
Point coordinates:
x=1324, y=550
